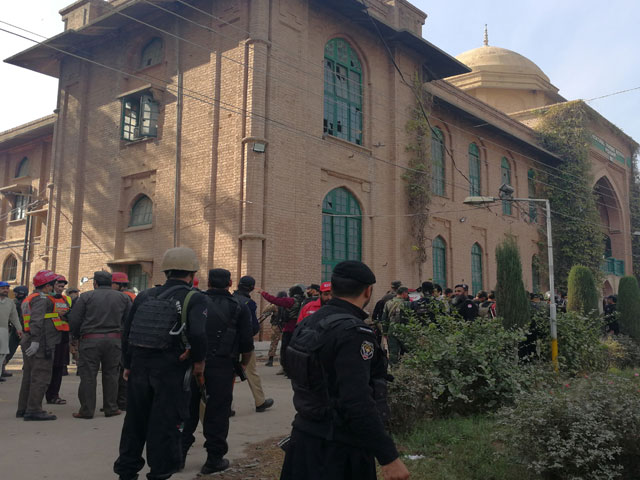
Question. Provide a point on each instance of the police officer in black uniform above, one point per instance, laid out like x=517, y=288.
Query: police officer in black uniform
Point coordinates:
x=157, y=397
x=229, y=333
x=339, y=374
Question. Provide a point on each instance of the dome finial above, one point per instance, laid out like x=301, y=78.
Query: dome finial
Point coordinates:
x=486, y=35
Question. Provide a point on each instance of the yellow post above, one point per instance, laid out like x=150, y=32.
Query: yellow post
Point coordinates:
x=554, y=353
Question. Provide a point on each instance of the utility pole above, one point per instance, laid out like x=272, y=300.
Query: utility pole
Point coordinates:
x=506, y=194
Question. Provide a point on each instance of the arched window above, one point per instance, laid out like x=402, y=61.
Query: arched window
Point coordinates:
x=474, y=170
x=533, y=209
x=342, y=91
x=439, y=254
x=151, y=53
x=535, y=274
x=23, y=168
x=141, y=212
x=476, y=268
x=341, y=230
x=10, y=269
x=437, y=162
x=506, y=179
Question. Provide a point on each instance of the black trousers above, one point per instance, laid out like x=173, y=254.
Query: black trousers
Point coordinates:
x=313, y=458
x=219, y=376
x=60, y=361
x=286, y=339
x=14, y=341
x=157, y=406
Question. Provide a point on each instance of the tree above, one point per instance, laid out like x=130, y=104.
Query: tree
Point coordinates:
x=583, y=295
x=577, y=235
x=512, y=303
x=628, y=306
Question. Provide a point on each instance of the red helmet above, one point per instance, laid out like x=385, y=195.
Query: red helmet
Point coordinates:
x=61, y=279
x=119, y=277
x=43, y=277
x=196, y=282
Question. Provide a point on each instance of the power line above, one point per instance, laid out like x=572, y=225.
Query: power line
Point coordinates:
x=267, y=119
x=307, y=91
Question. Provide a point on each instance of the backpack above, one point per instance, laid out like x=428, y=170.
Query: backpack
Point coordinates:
x=159, y=320
x=279, y=318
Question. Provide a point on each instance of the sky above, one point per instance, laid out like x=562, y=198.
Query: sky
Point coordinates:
x=587, y=48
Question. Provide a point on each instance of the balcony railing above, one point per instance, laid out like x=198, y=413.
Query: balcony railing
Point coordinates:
x=613, y=266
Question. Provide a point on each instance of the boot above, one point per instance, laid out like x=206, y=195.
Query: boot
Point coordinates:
x=269, y=363
x=214, y=465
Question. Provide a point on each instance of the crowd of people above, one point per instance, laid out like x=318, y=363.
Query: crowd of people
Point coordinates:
x=169, y=357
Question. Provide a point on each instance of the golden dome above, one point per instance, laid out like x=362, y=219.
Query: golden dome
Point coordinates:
x=495, y=59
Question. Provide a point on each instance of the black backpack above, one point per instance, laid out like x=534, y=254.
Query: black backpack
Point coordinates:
x=160, y=320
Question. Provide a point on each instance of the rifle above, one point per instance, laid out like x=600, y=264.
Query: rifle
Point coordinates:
x=239, y=369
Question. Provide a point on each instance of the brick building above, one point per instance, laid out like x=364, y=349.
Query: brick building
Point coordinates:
x=270, y=137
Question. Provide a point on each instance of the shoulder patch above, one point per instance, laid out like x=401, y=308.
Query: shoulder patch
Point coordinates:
x=366, y=350
x=365, y=330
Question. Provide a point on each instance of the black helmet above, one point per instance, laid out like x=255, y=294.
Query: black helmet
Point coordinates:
x=21, y=290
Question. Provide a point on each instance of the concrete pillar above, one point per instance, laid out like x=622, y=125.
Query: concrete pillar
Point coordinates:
x=252, y=226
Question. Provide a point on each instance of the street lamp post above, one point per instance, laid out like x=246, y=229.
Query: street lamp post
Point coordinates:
x=506, y=193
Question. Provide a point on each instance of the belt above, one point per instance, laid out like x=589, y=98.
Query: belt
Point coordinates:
x=89, y=336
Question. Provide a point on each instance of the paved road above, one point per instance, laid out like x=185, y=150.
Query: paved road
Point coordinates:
x=73, y=449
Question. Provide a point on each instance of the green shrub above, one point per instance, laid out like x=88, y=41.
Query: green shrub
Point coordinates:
x=511, y=297
x=583, y=295
x=628, y=306
x=587, y=429
x=456, y=367
x=622, y=351
x=580, y=348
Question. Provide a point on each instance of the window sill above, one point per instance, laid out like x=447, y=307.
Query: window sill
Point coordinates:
x=340, y=141
x=138, y=228
x=127, y=143
x=13, y=223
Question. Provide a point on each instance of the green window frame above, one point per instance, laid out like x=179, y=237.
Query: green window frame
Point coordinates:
x=23, y=168
x=20, y=207
x=474, y=170
x=342, y=91
x=437, y=162
x=341, y=230
x=533, y=209
x=138, y=279
x=141, y=212
x=535, y=275
x=476, y=268
x=151, y=53
x=139, y=118
x=439, y=256
x=506, y=178
x=10, y=269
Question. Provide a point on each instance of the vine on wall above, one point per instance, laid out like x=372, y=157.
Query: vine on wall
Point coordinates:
x=634, y=206
x=418, y=178
x=577, y=235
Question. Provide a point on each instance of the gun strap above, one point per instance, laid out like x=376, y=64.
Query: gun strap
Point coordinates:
x=183, y=317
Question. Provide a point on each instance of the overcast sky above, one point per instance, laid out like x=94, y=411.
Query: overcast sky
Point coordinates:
x=587, y=48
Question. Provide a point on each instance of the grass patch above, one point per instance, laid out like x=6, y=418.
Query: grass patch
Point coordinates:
x=458, y=449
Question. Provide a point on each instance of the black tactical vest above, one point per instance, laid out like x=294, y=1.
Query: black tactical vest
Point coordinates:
x=155, y=321
x=222, y=325
x=311, y=392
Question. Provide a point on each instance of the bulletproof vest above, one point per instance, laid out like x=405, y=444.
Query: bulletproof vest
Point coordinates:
x=222, y=325
x=423, y=307
x=155, y=319
x=311, y=392
x=294, y=311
